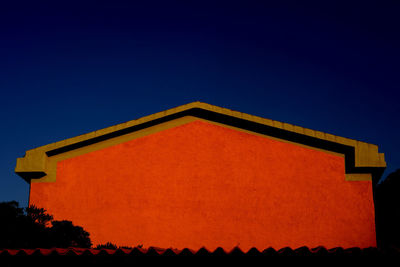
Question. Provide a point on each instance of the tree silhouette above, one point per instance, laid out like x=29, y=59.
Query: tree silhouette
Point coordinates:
x=107, y=245
x=30, y=228
x=65, y=234
x=13, y=225
x=38, y=215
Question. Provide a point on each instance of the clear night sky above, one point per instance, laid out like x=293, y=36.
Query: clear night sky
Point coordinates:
x=67, y=69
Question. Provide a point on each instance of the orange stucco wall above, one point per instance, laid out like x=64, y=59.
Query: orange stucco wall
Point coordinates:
x=201, y=184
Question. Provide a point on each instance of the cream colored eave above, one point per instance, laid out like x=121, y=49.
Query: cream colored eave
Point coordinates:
x=366, y=155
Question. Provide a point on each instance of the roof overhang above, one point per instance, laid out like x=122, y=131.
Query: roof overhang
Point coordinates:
x=362, y=160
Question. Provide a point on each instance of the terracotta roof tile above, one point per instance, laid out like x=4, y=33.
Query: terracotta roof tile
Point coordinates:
x=154, y=251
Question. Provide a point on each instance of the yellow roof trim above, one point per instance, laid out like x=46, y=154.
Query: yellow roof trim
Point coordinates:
x=34, y=162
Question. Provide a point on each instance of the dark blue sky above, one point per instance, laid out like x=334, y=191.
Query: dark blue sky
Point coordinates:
x=71, y=68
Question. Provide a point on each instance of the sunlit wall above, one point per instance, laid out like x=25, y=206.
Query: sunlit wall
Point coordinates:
x=204, y=185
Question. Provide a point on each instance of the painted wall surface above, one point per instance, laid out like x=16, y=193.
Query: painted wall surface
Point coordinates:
x=201, y=184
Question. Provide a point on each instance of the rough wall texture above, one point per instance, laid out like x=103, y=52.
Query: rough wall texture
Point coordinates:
x=201, y=184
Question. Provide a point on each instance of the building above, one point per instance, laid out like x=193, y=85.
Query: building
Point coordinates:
x=203, y=176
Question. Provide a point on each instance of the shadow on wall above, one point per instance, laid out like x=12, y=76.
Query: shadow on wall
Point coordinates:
x=387, y=203
x=32, y=227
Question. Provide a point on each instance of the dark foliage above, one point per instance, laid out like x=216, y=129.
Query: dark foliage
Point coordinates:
x=387, y=201
x=38, y=215
x=32, y=227
x=107, y=245
x=110, y=245
x=65, y=234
